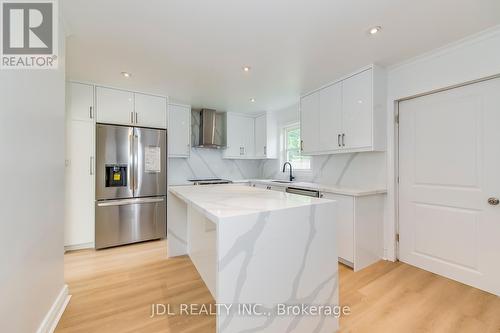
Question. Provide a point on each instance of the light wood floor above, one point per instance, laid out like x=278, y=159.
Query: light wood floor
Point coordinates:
x=113, y=291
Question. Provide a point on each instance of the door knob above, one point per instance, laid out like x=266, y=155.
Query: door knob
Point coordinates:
x=493, y=201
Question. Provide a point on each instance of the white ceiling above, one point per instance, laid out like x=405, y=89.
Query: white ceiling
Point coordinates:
x=193, y=50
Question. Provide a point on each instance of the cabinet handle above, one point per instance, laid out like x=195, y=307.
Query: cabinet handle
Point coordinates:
x=91, y=115
x=136, y=118
x=343, y=139
x=301, y=145
x=132, y=117
x=91, y=169
x=265, y=150
x=338, y=140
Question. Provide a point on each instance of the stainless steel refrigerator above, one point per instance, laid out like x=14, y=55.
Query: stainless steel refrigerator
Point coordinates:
x=131, y=184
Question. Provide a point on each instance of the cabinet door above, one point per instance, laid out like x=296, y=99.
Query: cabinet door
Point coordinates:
x=233, y=136
x=150, y=111
x=260, y=137
x=249, y=137
x=80, y=101
x=240, y=136
x=114, y=106
x=179, y=134
x=277, y=188
x=357, y=110
x=345, y=226
x=330, y=120
x=309, y=123
x=79, y=173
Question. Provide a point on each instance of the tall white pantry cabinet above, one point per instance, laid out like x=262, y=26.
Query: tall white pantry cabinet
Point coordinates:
x=80, y=164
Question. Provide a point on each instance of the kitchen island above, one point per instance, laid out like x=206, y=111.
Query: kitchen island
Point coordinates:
x=269, y=257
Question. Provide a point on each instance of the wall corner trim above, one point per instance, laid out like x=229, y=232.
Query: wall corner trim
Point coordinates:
x=52, y=317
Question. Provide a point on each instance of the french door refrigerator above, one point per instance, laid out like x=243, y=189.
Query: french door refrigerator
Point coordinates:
x=131, y=183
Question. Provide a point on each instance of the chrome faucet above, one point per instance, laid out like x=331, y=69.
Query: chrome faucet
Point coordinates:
x=284, y=168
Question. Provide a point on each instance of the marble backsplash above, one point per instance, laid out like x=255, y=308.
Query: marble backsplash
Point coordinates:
x=358, y=170
x=208, y=163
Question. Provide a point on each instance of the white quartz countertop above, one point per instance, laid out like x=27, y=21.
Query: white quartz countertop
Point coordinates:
x=358, y=192
x=223, y=201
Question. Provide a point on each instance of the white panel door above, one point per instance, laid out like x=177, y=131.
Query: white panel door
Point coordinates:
x=330, y=124
x=309, y=123
x=79, y=222
x=357, y=110
x=179, y=132
x=260, y=136
x=80, y=101
x=151, y=111
x=114, y=106
x=449, y=168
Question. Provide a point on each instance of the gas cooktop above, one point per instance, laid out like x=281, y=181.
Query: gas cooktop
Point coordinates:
x=209, y=181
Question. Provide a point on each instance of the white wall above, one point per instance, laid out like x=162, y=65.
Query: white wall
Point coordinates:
x=32, y=201
x=357, y=170
x=470, y=59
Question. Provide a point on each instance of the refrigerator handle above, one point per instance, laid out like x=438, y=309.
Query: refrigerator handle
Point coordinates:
x=131, y=162
x=136, y=201
x=136, y=160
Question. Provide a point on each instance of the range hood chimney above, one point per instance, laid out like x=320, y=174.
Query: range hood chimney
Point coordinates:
x=212, y=129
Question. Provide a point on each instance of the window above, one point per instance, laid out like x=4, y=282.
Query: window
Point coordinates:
x=292, y=149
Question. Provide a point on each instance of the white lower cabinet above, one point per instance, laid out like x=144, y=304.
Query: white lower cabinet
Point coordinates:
x=269, y=187
x=79, y=205
x=359, y=228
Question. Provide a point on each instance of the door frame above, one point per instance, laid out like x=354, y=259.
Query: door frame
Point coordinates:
x=395, y=151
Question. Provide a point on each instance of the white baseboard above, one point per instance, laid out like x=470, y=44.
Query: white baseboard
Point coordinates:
x=79, y=246
x=52, y=317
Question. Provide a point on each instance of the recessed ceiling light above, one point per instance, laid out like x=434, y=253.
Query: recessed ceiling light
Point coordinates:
x=246, y=68
x=375, y=30
x=126, y=74
x=252, y=100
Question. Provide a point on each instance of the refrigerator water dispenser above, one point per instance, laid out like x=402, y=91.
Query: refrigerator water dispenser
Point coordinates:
x=116, y=175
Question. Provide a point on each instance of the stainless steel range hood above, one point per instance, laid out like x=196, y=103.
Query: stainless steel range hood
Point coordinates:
x=210, y=126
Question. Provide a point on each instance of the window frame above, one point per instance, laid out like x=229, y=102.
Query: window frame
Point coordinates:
x=284, y=149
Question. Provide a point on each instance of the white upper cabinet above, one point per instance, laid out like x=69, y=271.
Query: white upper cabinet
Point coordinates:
x=347, y=115
x=330, y=117
x=122, y=107
x=240, y=136
x=266, y=137
x=261, y=136
x=179, y=130
x=150, y=111
x=357, y=108
x=115, y=106
x=309, y=123
x=80, y=101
